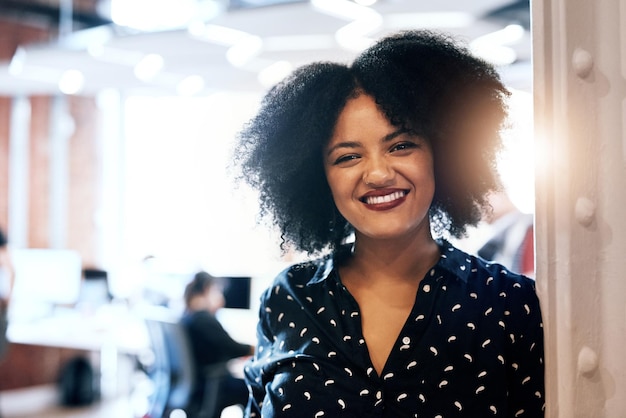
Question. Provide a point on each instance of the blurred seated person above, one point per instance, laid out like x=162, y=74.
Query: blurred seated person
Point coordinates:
x=7, y=277
x=511, y=238
x=210, y=342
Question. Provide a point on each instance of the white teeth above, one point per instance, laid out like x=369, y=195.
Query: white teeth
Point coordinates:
x=376, y=200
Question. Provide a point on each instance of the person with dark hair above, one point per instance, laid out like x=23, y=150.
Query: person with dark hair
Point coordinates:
x=7, y=278
x=370, y=168
x=211, y=344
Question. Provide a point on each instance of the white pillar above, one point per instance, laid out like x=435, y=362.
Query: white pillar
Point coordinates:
x=19, y=168
x=61, y=130
x=580, y=115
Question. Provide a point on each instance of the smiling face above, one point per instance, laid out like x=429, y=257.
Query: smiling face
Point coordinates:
x=381, y=177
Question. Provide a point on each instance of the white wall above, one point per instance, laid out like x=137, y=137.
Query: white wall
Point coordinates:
x=580, y=110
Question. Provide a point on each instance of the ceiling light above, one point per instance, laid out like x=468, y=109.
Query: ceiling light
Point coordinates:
x=343, y=9
x=190, y=85
x=220, y=35
x=497, y=55
x=71, y=82
x=85, y=38
x=16, y=66
x=274, y=73
x=244, y=51
x=243, y=46
x=42, y=74
x=493, y=46
x=366, y=2
x=431, y=20
x=149, y=66
x=298, y=43
x=509, y=35
x=150, y=15
x=114, y=55
x=354, y=35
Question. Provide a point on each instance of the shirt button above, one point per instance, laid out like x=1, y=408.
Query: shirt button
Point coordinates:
x=406, y=340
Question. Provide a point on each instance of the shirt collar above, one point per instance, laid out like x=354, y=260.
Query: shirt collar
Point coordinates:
x=326, y=264
x=452, y=260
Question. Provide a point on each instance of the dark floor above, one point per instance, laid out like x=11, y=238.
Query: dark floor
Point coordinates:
x=42, y=401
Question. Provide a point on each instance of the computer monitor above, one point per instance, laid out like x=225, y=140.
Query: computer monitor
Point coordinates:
x=47, y=276
x=236, y=292
x=94, y=291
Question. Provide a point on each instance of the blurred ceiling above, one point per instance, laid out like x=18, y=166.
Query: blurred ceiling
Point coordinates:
x=206, y=46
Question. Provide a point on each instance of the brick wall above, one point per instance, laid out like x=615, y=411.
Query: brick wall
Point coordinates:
x=28, y=365
x=12, y=34
x=85, y=181
x=83, y=159
x=38, y=176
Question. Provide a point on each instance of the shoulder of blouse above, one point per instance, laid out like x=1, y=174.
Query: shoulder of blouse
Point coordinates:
x=476, y=271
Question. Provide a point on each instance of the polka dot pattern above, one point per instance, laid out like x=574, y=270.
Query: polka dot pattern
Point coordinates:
x=471, y=347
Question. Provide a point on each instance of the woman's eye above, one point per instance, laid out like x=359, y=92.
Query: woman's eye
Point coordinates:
x=403, y=146
x=345, y=159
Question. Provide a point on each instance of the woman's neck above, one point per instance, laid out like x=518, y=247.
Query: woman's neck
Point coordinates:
x=397, y=259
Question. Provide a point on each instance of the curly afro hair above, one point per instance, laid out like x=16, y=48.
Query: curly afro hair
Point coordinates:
x=422, y=81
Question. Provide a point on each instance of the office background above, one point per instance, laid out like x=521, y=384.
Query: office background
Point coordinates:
x=125, y=165
x=578, y=99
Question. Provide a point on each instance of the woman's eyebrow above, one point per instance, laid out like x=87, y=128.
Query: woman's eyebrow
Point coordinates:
x=345, y=144
x=394, y=134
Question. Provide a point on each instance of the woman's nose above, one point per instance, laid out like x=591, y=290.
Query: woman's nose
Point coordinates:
x=378, y=173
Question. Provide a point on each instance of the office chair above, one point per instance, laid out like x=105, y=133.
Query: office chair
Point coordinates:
x=174, y=373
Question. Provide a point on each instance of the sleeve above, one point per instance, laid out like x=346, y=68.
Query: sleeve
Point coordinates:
x=228, y=346
x=212, y=343
x=526, y=365
x=254, y=369
x=233, y=348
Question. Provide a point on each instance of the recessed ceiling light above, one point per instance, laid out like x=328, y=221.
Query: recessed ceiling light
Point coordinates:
x=366, y=2
x=244, y=50
x=190, y=85
x=17, y=61
x=274, y=73
x=149, y=66
x=428, y=20
x=72, y=82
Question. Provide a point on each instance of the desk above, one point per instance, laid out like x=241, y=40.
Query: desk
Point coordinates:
x=71, y=329
x=109, y=332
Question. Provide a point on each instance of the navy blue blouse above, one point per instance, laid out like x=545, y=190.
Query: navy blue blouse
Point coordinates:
x=471, y=347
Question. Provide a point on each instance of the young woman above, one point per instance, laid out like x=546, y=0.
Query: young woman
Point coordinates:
x=372, y=166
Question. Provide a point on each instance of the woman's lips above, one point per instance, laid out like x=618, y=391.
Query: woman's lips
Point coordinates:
x=380, y=200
